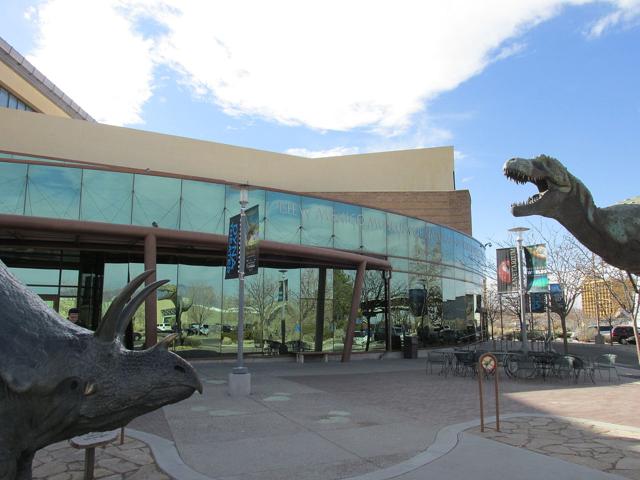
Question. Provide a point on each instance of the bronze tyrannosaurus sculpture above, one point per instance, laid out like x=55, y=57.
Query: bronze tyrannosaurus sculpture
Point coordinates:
x=59, y=380
x=613, y=232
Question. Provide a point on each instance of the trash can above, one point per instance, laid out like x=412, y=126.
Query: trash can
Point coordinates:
x=410, y=347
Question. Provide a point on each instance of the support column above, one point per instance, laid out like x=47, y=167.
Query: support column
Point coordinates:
x=150, y=304
x=387, y=313
x=322, y=284
x=355, y=304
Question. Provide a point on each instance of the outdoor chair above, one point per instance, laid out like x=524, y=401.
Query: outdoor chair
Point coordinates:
x=439, y=358
x=564, y=368
x=584, y=368
x=465, y=363
x=525, y=367
x=606, y=362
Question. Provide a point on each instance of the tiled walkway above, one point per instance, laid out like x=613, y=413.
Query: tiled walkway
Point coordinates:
x=129, y=461
x=604, y=447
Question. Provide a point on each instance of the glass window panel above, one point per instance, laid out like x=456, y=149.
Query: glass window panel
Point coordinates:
x=13, y=181
x=156, y=200
x=37, y=276
x=346, y=226
x=201, y=287
x=448, y=246
x=53, y=192
x=106, y=196
x=202, y=207
x=69, y=278
x=417, y=230
x=317, y=222
x=434, y=243
x=374, y=230
x=397, y=235
x=4, y=97
x=343, y=281
x=13, y=102
x=283, y=218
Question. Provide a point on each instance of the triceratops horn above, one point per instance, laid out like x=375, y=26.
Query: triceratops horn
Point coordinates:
x=127, y=314
x=108, y=326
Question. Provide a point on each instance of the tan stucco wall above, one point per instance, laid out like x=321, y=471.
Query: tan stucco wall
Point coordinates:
x=27, y=93
x=427, y=169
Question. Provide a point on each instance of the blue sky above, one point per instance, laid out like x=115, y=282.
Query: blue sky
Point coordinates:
x=495, y=79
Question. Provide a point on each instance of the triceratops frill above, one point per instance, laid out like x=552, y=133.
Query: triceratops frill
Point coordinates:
x=59, y=380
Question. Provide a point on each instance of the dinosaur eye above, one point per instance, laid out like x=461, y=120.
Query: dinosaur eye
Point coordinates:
x=179, y=368
x=73, y=385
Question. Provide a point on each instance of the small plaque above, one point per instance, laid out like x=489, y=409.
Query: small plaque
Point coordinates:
x=94, y=439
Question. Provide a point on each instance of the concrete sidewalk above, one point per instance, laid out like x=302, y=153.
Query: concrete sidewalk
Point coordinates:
x=373, y=419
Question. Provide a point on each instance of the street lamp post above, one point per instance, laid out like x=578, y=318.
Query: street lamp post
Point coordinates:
x=240, y=378
x=283, y=323
x=523, y=319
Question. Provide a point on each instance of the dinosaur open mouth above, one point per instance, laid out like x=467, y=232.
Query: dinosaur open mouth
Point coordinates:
x=521, y=178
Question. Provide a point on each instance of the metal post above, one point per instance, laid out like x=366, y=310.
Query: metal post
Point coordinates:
x=501, y=324
x=244, y=200
x=150, y=304
x=283, y=322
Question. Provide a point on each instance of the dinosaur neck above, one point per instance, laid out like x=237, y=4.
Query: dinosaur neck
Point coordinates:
x=579, y=214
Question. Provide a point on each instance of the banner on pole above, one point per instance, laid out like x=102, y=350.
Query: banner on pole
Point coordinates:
x=251, y=246
x=557, y=297
x=507, y=264
x=538, y=303
x=253, y=239
x=536, y=265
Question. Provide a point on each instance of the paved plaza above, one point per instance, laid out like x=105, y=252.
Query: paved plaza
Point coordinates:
x=380, y=419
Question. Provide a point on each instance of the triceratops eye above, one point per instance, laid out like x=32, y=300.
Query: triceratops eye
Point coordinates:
x=73, y=385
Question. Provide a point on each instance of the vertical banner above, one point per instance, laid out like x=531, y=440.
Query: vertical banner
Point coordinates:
x=233, y=248
x=536, y=265
x=507, y=265
x=537, y=302
x=283, y=290
x=253, y=238
x=251, y=247
x=557, y=297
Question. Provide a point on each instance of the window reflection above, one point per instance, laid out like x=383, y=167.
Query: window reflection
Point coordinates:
x=317, y=222
x=53, y=192
x=106, y=196
x=13, y=184
x=202, y=207
x=156, y=201
x=374, y=230
x=283, y=218
x=346, y=226
x=397, y=235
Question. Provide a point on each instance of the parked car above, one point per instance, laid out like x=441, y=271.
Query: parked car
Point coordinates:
x=165, y=327
x=630, y=339
x=620, y=333
x=198, y=329
x=360, y=338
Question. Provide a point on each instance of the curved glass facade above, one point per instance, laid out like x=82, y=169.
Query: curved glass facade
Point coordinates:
x=433, y=289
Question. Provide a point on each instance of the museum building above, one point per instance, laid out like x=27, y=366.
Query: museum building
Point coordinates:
x=355, y=252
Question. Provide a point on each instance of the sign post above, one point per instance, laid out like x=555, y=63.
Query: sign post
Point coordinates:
x=243, y=239
x=488, y=365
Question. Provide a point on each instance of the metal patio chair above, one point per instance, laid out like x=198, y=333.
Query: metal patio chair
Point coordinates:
x=606, y=362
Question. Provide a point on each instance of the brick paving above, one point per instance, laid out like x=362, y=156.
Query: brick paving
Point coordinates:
x=609, y=448
x=130, y=461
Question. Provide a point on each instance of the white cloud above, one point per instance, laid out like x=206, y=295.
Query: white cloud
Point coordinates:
x=627, y=14
x=91, y=51
x=332, y=152
x=329, y=65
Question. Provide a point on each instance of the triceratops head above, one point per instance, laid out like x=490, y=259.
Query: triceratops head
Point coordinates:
x=58, y=380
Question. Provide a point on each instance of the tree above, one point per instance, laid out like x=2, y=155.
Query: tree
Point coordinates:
x=565, y=265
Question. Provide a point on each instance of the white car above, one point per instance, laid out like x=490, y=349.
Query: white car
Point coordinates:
x=164, y=327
